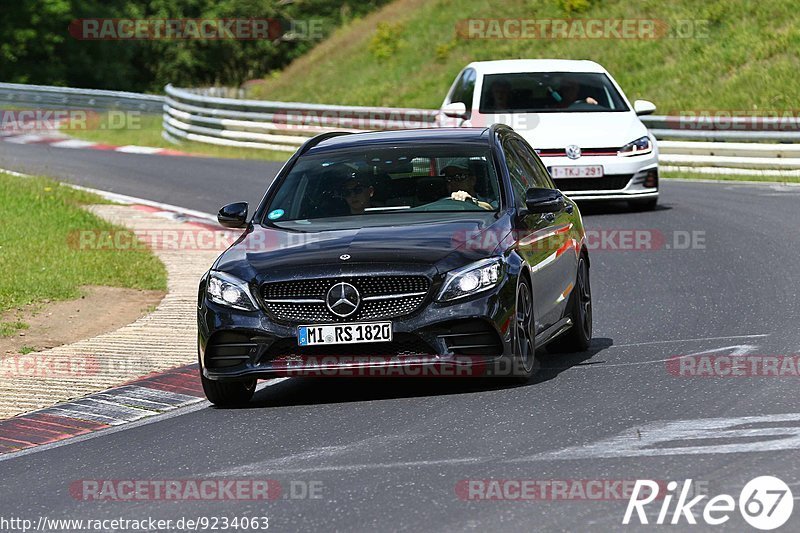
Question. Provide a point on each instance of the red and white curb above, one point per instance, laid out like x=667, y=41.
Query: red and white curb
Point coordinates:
x=142, y=398
x=58, y=140
x=146, y=397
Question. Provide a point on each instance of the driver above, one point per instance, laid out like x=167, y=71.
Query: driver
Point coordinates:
x=461, y=185
x=568, y=90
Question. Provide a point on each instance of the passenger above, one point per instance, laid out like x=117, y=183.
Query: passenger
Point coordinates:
x=501, y=95
x=461, y=185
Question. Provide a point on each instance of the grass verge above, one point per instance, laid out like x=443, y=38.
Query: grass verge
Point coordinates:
x=121, y=129
x=38, y=257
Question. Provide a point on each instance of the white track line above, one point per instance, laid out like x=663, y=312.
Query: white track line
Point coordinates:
x=125, y=199
x=690, y=340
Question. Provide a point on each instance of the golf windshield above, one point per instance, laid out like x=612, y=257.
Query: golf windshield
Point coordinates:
x=382, y=181
x=550, y=92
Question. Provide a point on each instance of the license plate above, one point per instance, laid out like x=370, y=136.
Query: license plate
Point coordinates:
x=344, y=333
x=592, y=171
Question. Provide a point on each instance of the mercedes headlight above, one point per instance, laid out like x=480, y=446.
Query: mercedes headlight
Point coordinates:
x=641, y=146
x=472, y=279
x=229, y=291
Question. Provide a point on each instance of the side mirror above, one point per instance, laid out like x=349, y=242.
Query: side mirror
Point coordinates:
x=539, y=200
x=233, y=215
x=455, y=110
x=644, y=107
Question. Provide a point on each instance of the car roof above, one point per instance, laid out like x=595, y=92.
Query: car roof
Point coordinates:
x=510, y=66
x=412, y=136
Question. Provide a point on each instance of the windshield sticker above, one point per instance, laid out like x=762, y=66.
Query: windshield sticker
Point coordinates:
x=275, y=214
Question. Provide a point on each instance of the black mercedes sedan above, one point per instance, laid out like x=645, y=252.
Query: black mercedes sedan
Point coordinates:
x=438, y=252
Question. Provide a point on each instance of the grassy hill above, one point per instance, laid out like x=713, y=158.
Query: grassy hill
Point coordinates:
x=743, y=54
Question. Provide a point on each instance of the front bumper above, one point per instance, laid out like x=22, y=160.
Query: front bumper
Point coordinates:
x=437, y=339
x=624, y=178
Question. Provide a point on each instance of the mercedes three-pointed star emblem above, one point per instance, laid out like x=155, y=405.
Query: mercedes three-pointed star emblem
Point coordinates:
x=343, y=299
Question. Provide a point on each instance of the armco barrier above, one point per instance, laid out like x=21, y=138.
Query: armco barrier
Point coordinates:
x=282, y=126
x=19, y=95
x=198, y=115
x=190, y=114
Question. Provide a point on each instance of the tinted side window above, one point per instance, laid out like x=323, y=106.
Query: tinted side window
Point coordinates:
x=533, y=166
x=464, y=89
x=520, y=178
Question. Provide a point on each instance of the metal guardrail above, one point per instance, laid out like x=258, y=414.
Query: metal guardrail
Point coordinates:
x=283, y=126
x=203, y=116
x=70, y=98
x=724, y=128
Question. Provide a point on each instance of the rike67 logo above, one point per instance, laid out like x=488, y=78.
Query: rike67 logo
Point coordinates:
x=765, y=503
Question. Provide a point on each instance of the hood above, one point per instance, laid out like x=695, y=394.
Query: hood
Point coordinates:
x=587, y=130
x=265, y=251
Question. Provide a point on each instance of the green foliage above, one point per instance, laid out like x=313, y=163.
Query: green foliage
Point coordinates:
x=387, y=40
x=572, y=7
x=717, y=54
x=443, y=50
x=36, y=47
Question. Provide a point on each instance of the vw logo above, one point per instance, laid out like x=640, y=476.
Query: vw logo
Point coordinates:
x=343, y=299
x=573, y=151
x=344, y=257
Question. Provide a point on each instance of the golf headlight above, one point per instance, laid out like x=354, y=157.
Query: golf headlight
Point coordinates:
x=229, y=291
x=640, y=146
x=472, y=279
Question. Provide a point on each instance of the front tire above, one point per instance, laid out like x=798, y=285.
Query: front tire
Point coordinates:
x=228, y=393
x=524, y=363
x=578, y=337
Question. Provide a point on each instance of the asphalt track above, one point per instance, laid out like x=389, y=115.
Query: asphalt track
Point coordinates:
x=389, y=455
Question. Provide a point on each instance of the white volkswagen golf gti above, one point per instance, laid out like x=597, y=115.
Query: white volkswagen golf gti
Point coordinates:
x=576, y=117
